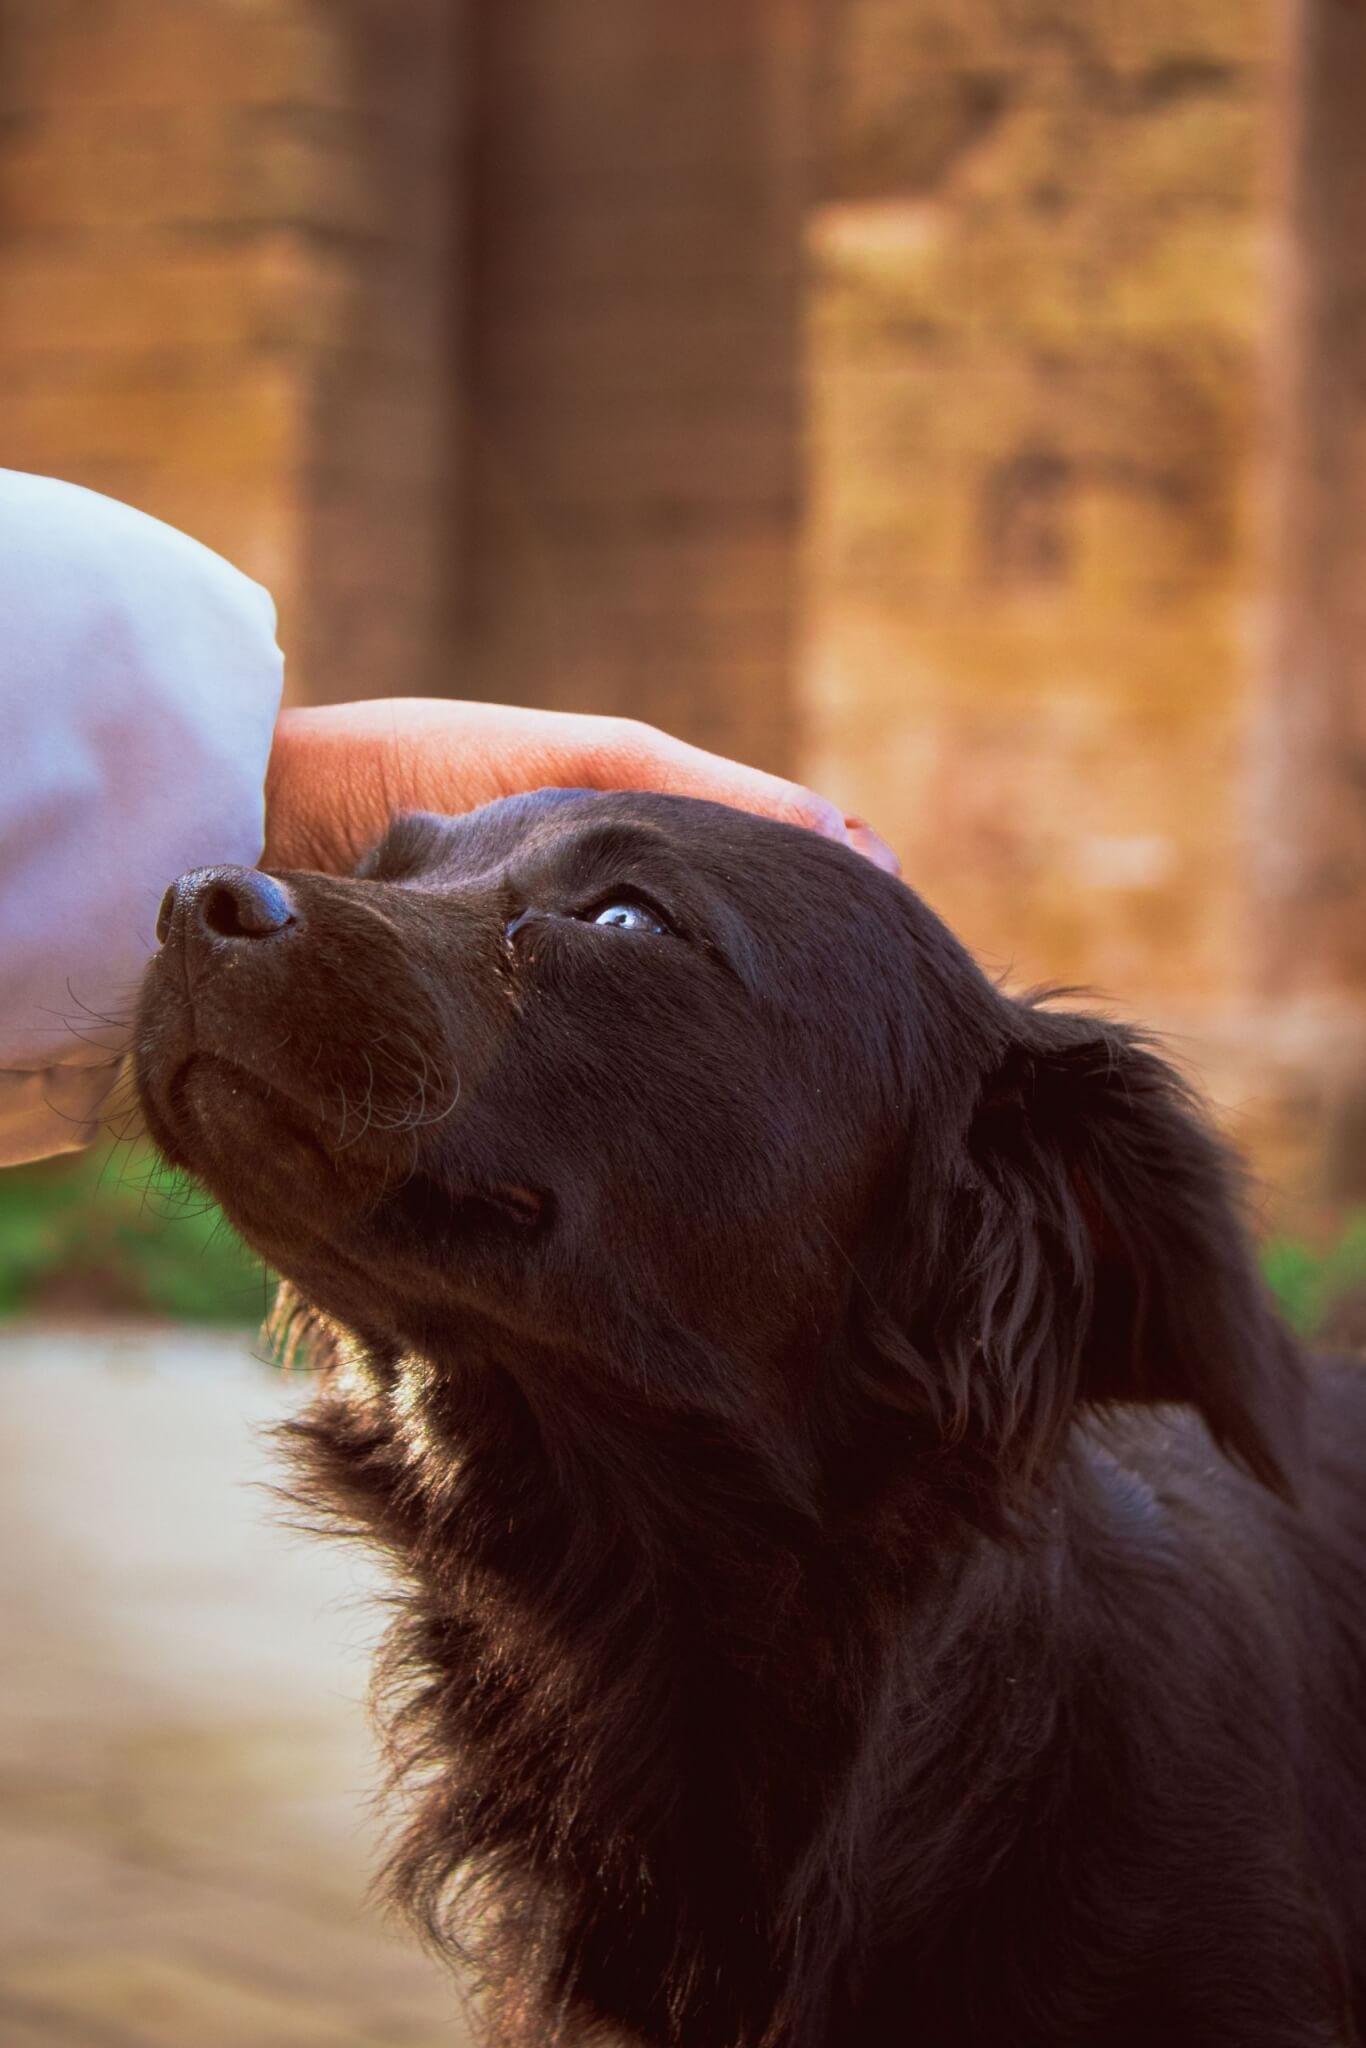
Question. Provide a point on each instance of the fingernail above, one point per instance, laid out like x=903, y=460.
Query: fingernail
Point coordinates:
x=866, y=841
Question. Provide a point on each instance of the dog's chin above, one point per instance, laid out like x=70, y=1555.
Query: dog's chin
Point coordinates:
x=267, y=1158
x=353, y=1218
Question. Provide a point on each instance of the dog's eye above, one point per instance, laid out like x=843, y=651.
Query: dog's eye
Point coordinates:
x=621, y=914
x=627, y=917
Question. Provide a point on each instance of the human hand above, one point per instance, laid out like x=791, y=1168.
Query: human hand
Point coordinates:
x=339, y=772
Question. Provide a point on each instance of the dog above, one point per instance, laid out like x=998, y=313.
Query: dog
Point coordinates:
x=873, y=1568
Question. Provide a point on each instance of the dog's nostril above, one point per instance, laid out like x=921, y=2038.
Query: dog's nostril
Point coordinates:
x=225, y=903
x=243, y=904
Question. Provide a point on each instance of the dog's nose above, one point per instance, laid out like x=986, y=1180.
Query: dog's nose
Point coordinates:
x=225, y=903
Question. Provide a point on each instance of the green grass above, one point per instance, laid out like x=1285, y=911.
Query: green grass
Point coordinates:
x=1309, y=1282
x=113, y=1230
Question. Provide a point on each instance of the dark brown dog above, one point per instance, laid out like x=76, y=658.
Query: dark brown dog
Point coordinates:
x=876, y=1572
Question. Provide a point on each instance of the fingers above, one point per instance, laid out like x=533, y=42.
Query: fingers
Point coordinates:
x=647, y=759
x=339, y=772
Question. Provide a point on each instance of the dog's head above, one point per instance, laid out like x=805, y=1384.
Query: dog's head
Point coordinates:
x=655, y=1097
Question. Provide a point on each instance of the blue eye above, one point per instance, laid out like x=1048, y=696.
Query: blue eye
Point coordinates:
x=628, y=917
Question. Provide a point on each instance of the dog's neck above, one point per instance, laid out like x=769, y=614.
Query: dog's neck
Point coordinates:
x=646, y=1680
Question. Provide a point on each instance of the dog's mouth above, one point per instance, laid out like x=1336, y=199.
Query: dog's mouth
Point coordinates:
x=291, y=1165
x=226, y=1060
x=248, y=1138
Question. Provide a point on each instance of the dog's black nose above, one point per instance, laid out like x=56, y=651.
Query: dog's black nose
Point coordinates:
x=225, y=903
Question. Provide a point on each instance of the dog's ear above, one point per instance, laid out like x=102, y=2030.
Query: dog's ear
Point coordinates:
x=1091, y=1249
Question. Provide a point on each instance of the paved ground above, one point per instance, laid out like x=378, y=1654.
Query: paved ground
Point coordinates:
x=184, y=1762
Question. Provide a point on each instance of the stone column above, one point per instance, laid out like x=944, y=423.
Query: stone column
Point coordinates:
x=1311, y=845
x=637, y=181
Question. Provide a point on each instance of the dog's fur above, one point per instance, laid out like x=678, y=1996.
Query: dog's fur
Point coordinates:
x=875, y=1570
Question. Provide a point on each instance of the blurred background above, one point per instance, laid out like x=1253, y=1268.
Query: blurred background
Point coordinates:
x=957, y=404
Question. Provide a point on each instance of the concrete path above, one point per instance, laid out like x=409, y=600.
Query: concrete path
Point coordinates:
x=185, y=1766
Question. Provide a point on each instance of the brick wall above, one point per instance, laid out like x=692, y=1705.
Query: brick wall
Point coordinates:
x=223, y=295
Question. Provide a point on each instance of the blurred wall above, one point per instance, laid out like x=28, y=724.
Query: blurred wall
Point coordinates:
x=227, y=232
x=955, y=402
x=1037, y=313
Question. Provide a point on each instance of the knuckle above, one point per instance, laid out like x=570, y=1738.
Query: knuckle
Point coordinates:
x=817, y=813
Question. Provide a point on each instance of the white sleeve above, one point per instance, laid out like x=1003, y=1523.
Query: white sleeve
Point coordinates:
x=139, y=683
